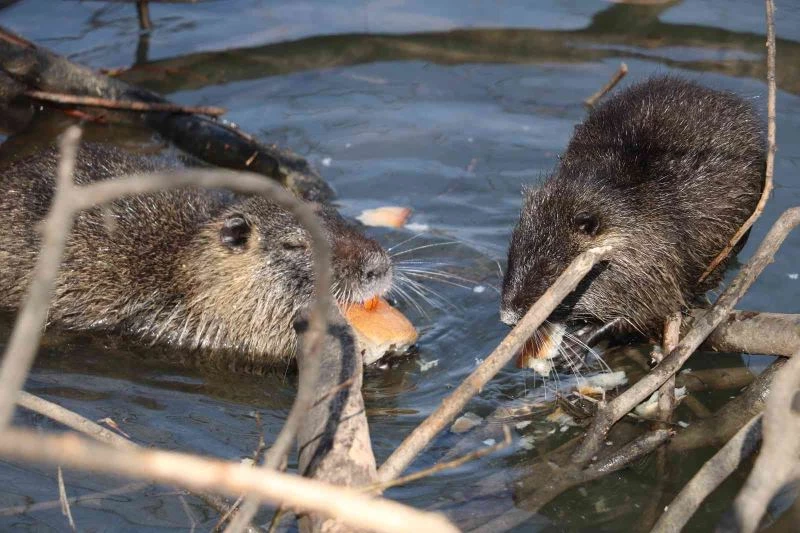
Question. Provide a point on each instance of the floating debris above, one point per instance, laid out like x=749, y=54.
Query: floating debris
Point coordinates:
x=388, y=216
x=425, y=366
x=466, y=422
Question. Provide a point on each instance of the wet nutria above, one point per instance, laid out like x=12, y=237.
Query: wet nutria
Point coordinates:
x=666, y=171
x=201, y=270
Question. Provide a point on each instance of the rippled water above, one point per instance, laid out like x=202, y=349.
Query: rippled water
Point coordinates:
x=447, y=108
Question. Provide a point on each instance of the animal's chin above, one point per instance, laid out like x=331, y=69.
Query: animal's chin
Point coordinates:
x=560, y=344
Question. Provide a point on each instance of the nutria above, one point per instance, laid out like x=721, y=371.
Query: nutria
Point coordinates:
x=665, y=171
x=207, y=271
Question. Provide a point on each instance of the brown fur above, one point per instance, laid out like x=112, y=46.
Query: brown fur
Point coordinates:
x=156, y=265
x=666, y=171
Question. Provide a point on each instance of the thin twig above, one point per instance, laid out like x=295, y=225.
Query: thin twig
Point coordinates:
x=21, y=348
x=200, y=474
x=709, y=477
x=143, y=12
x=771, y=91
x=124, y=105
x=62, y=498
x=52, y=504
x=505, y=351
x=71, y=420
x=605, y=89
x=666, y=394
x=448, y=465
x=609, y=414
x=280, y=512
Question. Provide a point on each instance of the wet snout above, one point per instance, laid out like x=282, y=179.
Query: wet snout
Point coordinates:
x=362, y=268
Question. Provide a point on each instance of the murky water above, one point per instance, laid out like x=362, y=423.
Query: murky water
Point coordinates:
x=444, y=107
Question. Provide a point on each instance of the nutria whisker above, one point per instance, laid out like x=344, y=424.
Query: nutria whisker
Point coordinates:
x=405, y=296
x=422, y=290
x=444, y=275
x=424, y=274
x=423, y=247
x=416, y=235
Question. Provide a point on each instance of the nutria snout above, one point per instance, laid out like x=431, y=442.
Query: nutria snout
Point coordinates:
x=201, y=270
x=665, y=172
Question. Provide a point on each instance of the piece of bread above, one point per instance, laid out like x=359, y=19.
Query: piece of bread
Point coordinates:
x=380, y=329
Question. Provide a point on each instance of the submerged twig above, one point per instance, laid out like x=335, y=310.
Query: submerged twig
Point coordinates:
x=447, y=465
x=508, y=348
x=62, y=498
x=709, y=477
x=770, y=168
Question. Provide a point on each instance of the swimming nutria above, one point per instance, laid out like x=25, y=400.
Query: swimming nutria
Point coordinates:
x=208, y=270
x=666, y=171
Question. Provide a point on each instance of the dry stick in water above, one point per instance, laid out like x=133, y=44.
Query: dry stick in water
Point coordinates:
x=508, y=348
x=770, y=6
x=124, y=105
x=709, y=477
x=439, y=467
x=615, y=79
x=610, y=413
x=666, y=394
x=62, y=498
x=778, y=460
x=87, y=427
x=201, y=474
x=71, y=420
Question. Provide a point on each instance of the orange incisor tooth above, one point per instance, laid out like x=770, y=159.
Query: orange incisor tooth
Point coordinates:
x=371, y=304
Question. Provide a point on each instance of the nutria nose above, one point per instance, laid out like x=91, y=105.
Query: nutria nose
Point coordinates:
x=376, y=266
x=508, y=317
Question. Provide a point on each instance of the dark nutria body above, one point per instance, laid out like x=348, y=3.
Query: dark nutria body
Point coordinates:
x=666, y=172
x=201, y=270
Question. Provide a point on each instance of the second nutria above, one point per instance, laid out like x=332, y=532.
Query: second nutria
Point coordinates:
x=665, y=171
x=201, y=270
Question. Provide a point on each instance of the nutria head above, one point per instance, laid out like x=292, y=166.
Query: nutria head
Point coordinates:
x=664, y=172
x=249, y=272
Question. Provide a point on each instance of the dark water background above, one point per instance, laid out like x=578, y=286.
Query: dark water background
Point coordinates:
x=447, y=108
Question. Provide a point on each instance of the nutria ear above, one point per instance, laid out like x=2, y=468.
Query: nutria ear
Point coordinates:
x=234, y=232
x=587, y=223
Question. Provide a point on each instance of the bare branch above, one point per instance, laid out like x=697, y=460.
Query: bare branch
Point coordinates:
x=756, y=332
x=771, y=145
x=505, y=351
x=200, y=474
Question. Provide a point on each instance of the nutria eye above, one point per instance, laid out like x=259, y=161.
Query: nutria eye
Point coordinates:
x=234, y=232
x=587, y=223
